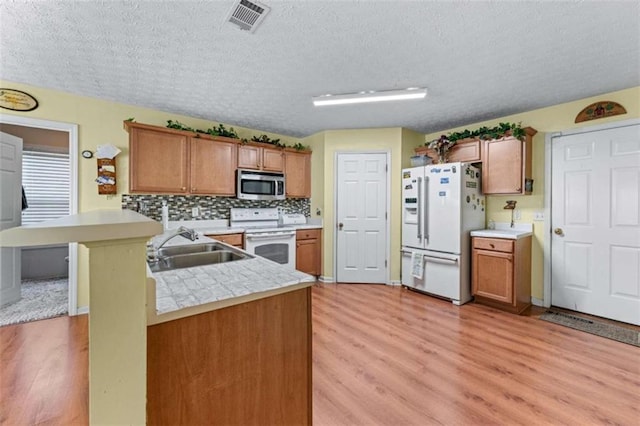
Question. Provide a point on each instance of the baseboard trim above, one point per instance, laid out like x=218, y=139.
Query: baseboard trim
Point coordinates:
x=395, y=282
x=537, y=302
x=82, y=310
x=324, y=279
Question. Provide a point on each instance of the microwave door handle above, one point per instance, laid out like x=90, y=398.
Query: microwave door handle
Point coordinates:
x=280, y=190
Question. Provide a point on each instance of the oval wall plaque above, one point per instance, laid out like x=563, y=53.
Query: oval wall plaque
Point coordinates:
x=600, y=109
x=16, y=100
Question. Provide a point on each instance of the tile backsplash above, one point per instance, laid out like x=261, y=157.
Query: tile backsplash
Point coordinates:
x=180, y=206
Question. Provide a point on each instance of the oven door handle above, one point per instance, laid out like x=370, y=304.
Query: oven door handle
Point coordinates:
x=278, y=236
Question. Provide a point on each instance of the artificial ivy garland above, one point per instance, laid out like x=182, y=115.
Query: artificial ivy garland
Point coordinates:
x=484, y=133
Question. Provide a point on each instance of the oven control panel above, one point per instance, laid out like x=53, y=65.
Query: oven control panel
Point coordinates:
x=244, y=215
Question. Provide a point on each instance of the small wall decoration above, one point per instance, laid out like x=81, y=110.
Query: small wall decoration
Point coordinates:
x=106, y=158
x=600, y=110
x=16, y=100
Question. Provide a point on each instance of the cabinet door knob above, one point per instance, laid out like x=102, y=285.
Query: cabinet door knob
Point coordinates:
x=184, y=188
x=492, y=246
x=193, y=189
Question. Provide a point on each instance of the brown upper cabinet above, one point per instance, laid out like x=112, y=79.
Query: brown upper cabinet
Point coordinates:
x=507, y=165
x=260, y=158
x=297, y=173
x=167, y=161
x=170, y=161
x=506, y=162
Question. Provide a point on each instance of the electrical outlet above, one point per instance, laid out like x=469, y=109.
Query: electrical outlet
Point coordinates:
x=516, y=215
x=539, y=215
x=195, y=211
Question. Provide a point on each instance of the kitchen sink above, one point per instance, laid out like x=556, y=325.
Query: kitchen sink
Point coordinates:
x=190, y=249
x=194, y=255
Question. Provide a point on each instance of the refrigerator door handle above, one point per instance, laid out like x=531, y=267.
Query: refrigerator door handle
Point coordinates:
x=426, y=209
x=440, y=259
x=420, y=209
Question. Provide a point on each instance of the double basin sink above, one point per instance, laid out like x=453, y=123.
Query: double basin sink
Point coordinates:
x=187, y=256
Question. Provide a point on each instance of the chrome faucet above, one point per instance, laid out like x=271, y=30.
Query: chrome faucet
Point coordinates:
x=183, y=232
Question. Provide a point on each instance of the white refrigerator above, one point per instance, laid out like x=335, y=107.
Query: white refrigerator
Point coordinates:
x=441, y=204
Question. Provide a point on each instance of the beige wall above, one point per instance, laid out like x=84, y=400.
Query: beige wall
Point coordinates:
x=410, y=141
x=316, y=143
x=365, y=140
x=100, y=122
x=39, y=139
x=546, y=120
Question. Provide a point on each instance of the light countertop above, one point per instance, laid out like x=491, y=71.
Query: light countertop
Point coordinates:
x=504, y=230
x=98, y=225
x=184, y=292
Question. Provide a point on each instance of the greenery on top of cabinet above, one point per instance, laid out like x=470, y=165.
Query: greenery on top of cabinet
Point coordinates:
x=231, y=133
x=266, y=139
x=213, y=131
x=487, y=133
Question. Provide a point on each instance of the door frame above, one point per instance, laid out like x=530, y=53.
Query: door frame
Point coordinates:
x=72, y=130
x=337, y=154
x=548, y=142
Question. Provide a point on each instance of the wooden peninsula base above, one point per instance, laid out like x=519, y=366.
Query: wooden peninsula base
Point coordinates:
x=246, y=364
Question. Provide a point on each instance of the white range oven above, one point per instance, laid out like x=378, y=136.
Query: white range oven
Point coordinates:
x=264, y=237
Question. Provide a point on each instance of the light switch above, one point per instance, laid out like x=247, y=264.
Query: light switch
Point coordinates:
x=538, y=215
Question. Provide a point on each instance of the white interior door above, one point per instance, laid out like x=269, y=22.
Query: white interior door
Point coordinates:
x=361, y=234
x=10, y=214
x=595, y=243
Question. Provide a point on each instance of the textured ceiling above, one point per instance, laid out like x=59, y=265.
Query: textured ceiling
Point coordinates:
x=478, y=60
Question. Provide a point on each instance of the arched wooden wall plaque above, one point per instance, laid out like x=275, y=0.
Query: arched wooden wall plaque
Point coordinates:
x=600, y=109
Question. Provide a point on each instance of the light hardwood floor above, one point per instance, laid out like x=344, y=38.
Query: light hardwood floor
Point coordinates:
x=382, y=355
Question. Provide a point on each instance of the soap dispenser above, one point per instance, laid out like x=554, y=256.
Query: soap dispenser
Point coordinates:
x=165, y=215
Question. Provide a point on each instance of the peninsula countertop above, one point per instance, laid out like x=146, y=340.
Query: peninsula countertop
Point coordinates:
x=184, y=292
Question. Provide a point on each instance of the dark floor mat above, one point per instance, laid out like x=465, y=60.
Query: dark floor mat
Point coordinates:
x=610, y=331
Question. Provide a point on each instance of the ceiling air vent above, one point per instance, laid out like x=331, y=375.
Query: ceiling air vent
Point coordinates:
x=248, y=14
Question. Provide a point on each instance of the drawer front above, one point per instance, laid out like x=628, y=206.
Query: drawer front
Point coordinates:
x=231, y=239
x=495, y=244
x=307, y=234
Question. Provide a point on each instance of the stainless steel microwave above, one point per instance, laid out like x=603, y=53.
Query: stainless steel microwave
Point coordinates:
x=258, y=185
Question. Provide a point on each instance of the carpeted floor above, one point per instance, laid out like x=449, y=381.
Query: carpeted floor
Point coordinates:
x=610, y=331
x=41, y=299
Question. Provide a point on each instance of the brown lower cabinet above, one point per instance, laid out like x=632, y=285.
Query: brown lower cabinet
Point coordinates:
x=501, y=272
x=248, y=364
x=236, y=240
x=309, y=251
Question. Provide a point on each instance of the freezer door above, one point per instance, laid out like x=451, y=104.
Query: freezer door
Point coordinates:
x=440, y=275
x=412, y=207
x=442, y=207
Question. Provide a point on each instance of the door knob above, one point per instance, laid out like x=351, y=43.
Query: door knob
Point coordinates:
x=558, y=231
x=340, y=226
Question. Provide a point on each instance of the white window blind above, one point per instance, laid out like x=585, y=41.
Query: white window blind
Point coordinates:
x=45, y=178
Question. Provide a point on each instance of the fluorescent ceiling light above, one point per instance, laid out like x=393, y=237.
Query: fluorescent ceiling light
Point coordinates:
x=364, y=97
